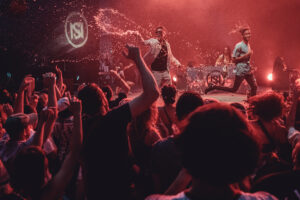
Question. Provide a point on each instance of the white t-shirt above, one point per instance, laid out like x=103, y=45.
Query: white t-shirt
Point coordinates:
x=9, y=149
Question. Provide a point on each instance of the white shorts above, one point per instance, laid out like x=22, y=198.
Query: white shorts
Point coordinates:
x=162, y=78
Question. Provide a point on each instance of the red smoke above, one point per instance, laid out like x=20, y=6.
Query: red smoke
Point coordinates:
x=207, y=23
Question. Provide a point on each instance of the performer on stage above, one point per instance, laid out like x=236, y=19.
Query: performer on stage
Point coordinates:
x=224, y=60
x=241, y=57
x=160, y=57
x=280, y=76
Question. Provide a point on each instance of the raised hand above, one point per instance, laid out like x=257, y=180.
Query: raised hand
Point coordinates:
x=49, y=79
x=63, y=87
x=58, y=70
x=68, y=95
x=75, y=105
x=24, y=85
x=33, y=100
x=8, y=109
x=133, y=53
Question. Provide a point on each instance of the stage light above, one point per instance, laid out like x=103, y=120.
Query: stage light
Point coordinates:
x=174, y=78
x=77, y=78
x=270, y=77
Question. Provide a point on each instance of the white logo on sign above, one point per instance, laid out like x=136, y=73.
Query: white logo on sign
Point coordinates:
x=76, y=29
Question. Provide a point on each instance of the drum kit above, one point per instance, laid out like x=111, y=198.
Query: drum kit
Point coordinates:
x=197, y=78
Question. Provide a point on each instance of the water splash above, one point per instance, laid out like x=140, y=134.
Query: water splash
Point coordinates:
x=114, y=29
x=112, y=22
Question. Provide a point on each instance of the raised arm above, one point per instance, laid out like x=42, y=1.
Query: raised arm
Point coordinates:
x=60, y=80
x=150, y=41
x=50, y=82
x=150, y=90
x=38, y=137
x=19, y=102
x=58, y=93
x=58, y=184
x=123, y=83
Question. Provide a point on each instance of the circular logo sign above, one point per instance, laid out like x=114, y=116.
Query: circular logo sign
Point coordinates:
x=76, y=29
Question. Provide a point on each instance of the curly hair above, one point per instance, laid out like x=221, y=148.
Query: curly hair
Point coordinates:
x=243, y=29
x=93, y=100
x=267, y=106
x=240, y=27
x=228, y=52
x=143, y=122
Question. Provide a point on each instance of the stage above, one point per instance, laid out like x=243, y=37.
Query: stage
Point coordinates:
x=218, y=95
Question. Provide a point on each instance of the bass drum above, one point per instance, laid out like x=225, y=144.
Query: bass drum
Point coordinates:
x=215, y=77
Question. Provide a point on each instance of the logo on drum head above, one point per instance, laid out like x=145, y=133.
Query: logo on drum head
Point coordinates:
x=76, y=29
x=215, y=77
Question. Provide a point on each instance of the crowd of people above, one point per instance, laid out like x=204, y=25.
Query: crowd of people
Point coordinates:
x=83, y=144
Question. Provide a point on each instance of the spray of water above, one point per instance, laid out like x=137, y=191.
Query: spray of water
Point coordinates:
x=112, y=22
x=115, y=29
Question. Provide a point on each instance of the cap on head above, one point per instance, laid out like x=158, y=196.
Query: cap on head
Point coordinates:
x=16, y=123
x=63, y=104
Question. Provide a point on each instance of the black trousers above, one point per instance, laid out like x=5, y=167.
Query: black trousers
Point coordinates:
x=238, y=81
